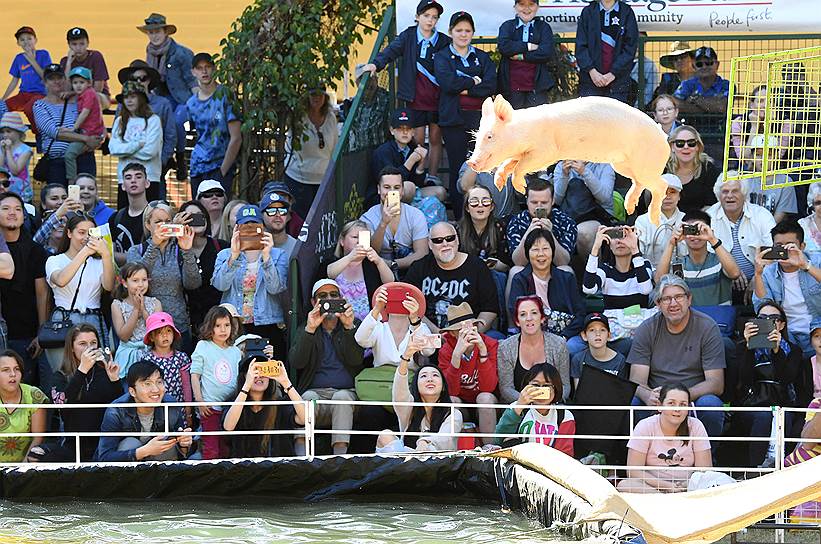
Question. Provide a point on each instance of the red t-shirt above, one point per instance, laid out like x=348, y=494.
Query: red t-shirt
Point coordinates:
x=93, y=125
x=472, y=377
x=427, y=94
x=95, y=62
x=522, y=76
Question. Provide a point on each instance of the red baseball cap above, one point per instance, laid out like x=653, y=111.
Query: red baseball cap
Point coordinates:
x=24, y=30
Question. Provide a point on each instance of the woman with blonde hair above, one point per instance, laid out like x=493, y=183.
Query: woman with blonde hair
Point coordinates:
x=229, y=219
x=359, y=270
x=694, y=168
x=171, y=262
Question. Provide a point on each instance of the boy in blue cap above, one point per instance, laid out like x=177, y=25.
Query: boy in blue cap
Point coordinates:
x=89, y=120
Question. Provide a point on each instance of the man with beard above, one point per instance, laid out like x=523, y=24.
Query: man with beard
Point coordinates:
x=276, y=212
x=18, y=291
x=679, y=344
x=447, y=276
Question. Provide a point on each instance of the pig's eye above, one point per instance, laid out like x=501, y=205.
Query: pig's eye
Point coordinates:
x=489, y=136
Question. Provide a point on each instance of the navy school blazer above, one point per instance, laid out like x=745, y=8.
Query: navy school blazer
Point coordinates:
x=446, y=65
x=404, y=46
x=588, y=41
x=509, y=43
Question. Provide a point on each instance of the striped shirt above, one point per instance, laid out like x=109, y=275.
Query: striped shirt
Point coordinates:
x=47, y=117
x=747, y=267
x=708, y=283
x=800, y=453
x=620, y=289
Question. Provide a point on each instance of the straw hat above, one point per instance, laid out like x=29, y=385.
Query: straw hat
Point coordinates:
x=457, y=315
x=677, y=49
x=14, y=121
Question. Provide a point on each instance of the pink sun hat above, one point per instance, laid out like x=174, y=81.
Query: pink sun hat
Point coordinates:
x=158, y=320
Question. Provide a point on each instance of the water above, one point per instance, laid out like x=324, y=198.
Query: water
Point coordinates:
x=340, y=521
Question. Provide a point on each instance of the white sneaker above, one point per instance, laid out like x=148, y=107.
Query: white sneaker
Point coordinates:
x=769, y=462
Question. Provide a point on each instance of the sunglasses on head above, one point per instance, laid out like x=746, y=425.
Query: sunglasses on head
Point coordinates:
x=440, y=239
x=212, y=194
x=703, y=63
x=689, y=143
x=276, y=211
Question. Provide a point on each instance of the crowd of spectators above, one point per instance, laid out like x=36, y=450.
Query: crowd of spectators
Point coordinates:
x=514, y=301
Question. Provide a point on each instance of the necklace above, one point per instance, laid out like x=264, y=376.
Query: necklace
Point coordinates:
x=3, y=404
x=90, y=378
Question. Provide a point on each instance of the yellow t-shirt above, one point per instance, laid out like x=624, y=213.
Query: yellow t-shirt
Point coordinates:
x=13, y=448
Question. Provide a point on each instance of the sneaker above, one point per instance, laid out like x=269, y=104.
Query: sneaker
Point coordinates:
x=433, y=180
x=769, y=462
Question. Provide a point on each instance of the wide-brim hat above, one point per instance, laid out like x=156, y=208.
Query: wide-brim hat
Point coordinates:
x=131, y=87
x=126, y=73
x=158, y=320
x=156, y=21
x=459, y=314
x=14, y=121
x=398, y=287
x=677, y=49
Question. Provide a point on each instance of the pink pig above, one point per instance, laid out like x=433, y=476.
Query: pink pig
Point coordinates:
x=594, y=129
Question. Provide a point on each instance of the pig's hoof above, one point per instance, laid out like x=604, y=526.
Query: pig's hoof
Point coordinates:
x=519, y=184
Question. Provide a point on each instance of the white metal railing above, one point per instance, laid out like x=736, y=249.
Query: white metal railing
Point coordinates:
x=310, y=431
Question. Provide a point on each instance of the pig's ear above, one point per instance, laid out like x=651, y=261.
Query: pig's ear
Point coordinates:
x=487, y=108
x=503, y=109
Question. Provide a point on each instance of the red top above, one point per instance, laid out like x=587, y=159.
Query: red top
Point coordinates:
x=472, y=377
x=93, y=125
x=427, y=95
x=522, y=76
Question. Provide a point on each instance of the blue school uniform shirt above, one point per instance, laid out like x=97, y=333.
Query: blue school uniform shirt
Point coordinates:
x=210, y=118
x=692, y=86
x=30, y=81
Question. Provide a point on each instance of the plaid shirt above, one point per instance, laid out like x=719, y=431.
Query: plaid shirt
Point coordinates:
x=564, y=229
x=43, y=234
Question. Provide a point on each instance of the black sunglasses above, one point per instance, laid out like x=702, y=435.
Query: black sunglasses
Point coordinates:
x=140, y=79
x=702, y=63
x=321, y=139
x=771, y=317
x=689, y=143
x=5, y=182
x=212, y=194
x=439, y=239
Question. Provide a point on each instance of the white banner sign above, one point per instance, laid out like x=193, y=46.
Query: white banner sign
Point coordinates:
x=720, y=16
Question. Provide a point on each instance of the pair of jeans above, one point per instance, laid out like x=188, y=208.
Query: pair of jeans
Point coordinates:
x=32, y=366
x=526, y=99
x=56, y=173
x=459, y=143
x=226, y=180
x=304, y=195
x=180, y=118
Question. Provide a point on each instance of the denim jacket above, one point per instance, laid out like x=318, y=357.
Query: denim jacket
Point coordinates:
x=178, y=77
x=119, y=420
x=272, y=280
x=774, y=285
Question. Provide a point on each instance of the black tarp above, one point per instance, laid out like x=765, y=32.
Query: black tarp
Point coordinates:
x=498, y=481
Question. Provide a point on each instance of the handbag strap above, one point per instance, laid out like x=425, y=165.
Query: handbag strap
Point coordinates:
x=79, y=284
x=62, y=118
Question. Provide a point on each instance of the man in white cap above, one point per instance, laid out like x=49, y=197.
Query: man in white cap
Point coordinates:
x=324, y=360
x=653, y=239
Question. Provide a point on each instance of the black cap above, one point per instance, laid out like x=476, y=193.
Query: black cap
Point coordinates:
x=705, y=52
x=76, y=33
x=459, y=16
x=202, y=57
x=53, y=69
x=425, y=5
x=402, y=118
x=594, y=317
x=24, y=30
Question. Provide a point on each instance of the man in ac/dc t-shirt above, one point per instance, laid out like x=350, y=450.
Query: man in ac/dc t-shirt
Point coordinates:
x=447, y=276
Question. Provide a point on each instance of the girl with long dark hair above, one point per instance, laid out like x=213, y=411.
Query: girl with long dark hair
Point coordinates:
x=543, y=422
x=136, y=136
x=245, y=415
x=436, y=422
x=674, y=446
